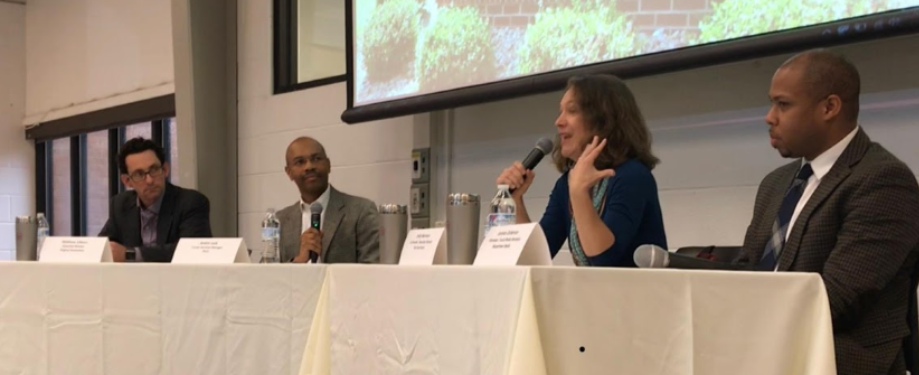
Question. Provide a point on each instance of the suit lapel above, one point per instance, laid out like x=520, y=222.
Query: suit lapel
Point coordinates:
x=333, y=215
x=840, y=171
x=290, y=239
x=164, y=218
x=132, y=224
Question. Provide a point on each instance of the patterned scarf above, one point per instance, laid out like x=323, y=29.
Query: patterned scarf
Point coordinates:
x=598, y=192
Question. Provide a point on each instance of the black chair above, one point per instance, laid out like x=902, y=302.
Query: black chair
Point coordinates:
x=725, y=254
x=911, y=342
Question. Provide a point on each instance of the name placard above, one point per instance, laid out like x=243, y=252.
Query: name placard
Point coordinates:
x=75, y=250
x=509, y=245
x=211, y=251
x=424, y=247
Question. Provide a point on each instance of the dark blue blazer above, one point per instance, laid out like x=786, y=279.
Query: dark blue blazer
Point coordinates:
x=632, y=212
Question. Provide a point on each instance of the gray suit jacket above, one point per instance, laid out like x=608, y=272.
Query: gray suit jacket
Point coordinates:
x=860, y=231
x=350, y=233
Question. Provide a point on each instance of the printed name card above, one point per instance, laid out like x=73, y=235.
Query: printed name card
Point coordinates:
x=211, y=251
x=75, y=250
x=509, y=245
x=424, y=247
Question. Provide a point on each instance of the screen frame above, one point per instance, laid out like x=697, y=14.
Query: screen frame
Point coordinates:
x=894, y=23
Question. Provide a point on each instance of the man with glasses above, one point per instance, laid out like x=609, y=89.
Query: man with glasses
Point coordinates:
x=349, y=225
x=146, y=222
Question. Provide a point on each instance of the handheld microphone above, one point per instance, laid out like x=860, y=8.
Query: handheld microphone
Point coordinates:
x=315, y=221
x=543, y=147
x=653, y=256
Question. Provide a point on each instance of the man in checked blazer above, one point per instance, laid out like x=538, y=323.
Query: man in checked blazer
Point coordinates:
x=845, y=208
x=349, y=225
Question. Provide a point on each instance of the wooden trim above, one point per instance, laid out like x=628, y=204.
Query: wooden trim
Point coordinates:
x=142, y=111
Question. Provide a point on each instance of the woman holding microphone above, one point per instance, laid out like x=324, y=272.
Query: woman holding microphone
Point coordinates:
x=605, y=203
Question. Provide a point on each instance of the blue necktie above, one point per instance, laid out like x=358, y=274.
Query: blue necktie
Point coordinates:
x=780, y=226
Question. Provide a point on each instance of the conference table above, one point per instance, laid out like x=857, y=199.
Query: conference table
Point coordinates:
x=360, y=319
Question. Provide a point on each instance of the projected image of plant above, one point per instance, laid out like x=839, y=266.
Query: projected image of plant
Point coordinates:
x=408, y=48
x=389, y=40
x=456, y=50
x=586, y=32
x=739, y=18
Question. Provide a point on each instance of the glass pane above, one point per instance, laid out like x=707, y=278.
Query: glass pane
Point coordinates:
x=173, y=152
x=321, y=53
x=138, y=130
x=97, y=197
x=60, y=187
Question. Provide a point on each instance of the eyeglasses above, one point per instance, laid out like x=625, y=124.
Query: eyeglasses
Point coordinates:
x=139, y=176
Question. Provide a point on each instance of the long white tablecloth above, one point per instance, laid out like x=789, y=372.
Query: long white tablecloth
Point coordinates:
x=155, y=319
x=344, y=320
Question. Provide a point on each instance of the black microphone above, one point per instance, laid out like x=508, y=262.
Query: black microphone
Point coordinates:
x=315, y=220
x=653, y=256
x=543, y=147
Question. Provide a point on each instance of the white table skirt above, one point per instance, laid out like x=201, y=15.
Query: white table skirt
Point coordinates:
x=424, y=320
x=248, y=319
x=155, y=319
x=523, y=321
x=634, y=321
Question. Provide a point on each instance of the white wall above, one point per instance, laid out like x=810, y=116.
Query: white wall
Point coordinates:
x=708, y=131
x=17, y=156
x=204, y=39
x=87, y=55
x=370, y=160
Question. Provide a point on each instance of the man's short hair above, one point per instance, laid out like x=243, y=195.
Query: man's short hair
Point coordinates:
x=136, y=146
x=830, y=73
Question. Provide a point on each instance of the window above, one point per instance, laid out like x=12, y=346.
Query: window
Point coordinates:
x=138, y=130
x=81, y=174
x=309, y=43
x=96, y=166
x=173, y=148
x=61, y=204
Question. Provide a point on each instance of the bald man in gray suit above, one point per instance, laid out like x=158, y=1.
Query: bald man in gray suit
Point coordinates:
x=349, y=228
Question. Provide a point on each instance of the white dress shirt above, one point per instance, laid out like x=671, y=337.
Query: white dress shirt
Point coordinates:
x=821, y=166
x=305, y=209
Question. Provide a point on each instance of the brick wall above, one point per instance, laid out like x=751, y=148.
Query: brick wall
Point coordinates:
x=646, y=15
x=650, y=15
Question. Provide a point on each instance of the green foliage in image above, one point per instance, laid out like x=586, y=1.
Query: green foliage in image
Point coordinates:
x=739, y=18
x=389, y=40
x=456, y=50
x=587, y=32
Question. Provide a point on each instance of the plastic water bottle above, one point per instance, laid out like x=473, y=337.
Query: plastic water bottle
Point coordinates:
x=43, y=231
x=271, y=238
x=503, y=209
